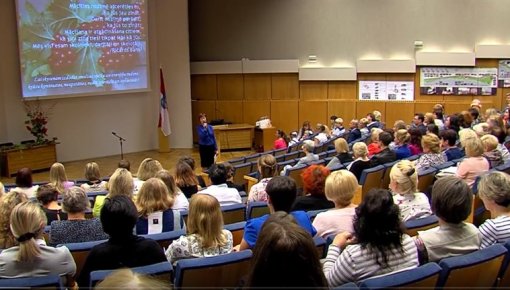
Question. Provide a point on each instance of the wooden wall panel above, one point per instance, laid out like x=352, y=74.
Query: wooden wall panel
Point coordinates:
x=503, y=102
x=230, y=111
x=365, y=107
x=372, y=77
x=345, y=109
x=253, y=110
x=284, y=87
x=398, y=111
x=313, y=90
x=230, y=87
x=314, y=111
x=424, y=107
x=284, y=115
x=342, y=90
x=203, y=87
x=197, y=107
x=257, y=86
x=456, y=107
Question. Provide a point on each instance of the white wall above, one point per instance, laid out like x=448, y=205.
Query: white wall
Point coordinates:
x=341, y=31
x=84, y=124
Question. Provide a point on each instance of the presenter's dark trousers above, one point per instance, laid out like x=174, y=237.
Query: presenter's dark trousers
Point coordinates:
x=206, y=155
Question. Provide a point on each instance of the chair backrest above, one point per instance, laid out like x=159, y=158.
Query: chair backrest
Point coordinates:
x=385, y=181
x=371, y=178
x=237, y=230
x=423, y=277
x=251, y=158
x=295, y=173
x=444, y=165
x=504, y=272
x=233, y=213
x=321, y=246
x=313, y=213
x=414, y=157
x=223, y=271
x=236, y=161
x=240, y=171
x=318, y=162
x=278, y=152
x=282, y=164
x=43, y=282
x=426, y=178
x=291, y=155
x=256, y=209
x=80, y=251
x=478, y=269
x=163, y=271
x=421, y=224
x=250, y=181
x=166, y=238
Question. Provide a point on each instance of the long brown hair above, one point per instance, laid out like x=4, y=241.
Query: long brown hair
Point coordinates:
x=184, y=175
x=206, y=220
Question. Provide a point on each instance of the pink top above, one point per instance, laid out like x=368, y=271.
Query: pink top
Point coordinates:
x=279, y=144
x=470, y=168
x=415, y=149
x=334, y=221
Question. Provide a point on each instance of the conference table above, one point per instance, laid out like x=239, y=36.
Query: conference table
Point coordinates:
x=233, y=136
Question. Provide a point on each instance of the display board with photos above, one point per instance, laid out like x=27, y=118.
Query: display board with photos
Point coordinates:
x=458, y=81
x=386, y=90
x=504, y=73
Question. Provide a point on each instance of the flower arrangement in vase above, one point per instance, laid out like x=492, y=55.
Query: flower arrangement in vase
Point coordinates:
x=37, y=121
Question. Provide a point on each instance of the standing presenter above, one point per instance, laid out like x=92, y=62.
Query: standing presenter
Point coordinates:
x=206, y=142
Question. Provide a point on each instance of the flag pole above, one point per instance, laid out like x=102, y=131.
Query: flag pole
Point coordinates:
x=163, y=141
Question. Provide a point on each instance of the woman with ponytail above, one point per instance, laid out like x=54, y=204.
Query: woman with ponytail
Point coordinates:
x=33, y=257
x=404, y=185
x=267, y=169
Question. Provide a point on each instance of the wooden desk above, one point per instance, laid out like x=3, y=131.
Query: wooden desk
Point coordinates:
x=233, y=136
x=264, y=138
x=35, y=158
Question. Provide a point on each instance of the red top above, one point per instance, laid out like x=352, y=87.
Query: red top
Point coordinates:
x=279, y=144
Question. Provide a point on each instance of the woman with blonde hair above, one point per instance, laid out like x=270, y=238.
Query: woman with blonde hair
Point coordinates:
x=94, y=182
x=474, y=164
x=491, y=152
x=154, y=204
x=7, y=203
x=431, y=152
x=404, y=186
x=402, y=138
x=147, y=169
x=465, y=134
x=126, y=279
x=340, y=188
x=373, y=147
x=205, y=236
x=32, y=257
x=361, y=161
x=180, y=201
x=343, y=155
x=266, y=165
x=58, y=177
x=120, y=183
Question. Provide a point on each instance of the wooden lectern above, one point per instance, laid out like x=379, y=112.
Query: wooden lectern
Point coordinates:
x=264, y=138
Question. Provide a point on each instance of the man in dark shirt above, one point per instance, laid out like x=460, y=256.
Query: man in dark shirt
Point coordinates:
x=448, y=141
x=354, y=133
x=418, y=120
x=123, y=249
x=385, y=155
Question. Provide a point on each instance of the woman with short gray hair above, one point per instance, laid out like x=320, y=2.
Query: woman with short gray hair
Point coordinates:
x=76, y=228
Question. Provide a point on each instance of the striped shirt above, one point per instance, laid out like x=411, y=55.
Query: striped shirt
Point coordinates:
x=495, y=231
x=355, y=263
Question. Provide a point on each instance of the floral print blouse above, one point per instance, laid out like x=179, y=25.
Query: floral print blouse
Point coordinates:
x=190, y=246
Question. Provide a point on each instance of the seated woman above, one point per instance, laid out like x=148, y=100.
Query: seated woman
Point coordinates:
x=205, y=236
x=474, y=164
x=266, y=165
x=304, y=131
x=451, y=203
x=415, y=141
x=402, y=138
x=32, y=257
x=431, y=153
x=76, y=228
x=340, y=188
x=94, y=182
x=342, y=156
x=314, y=179
x=377, y=247
x=58, y=177
x=491, y=152
x=154, y=204
x=281, y=140
x=403, y=184
x=147, y=169
x=180, y=200
x=373, y=147
x=7, y=203
x=120, y=183
x=186, y=179
x=230, y=177
x=361, y=161
x=47, y=196
x=191, y=162
x=285, y=256
x=24, y=182
x=494, y=190
x=309, y=157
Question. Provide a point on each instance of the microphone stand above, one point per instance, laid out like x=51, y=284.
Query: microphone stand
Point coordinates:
x=120, y=140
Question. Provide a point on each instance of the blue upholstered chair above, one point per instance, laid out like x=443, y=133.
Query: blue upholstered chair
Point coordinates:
x=166, y=238
x=80, y=251
x=371, y=178
x=163, y=271
x=423, y=277
x=237, y=230
x=256, y=209
x=48, y=282
x=421, y=224
x=223, y=271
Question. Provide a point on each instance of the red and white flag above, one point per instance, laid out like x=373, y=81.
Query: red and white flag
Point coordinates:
x=164, y=120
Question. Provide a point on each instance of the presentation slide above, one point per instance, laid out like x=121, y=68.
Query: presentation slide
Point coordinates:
x=82, y=47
